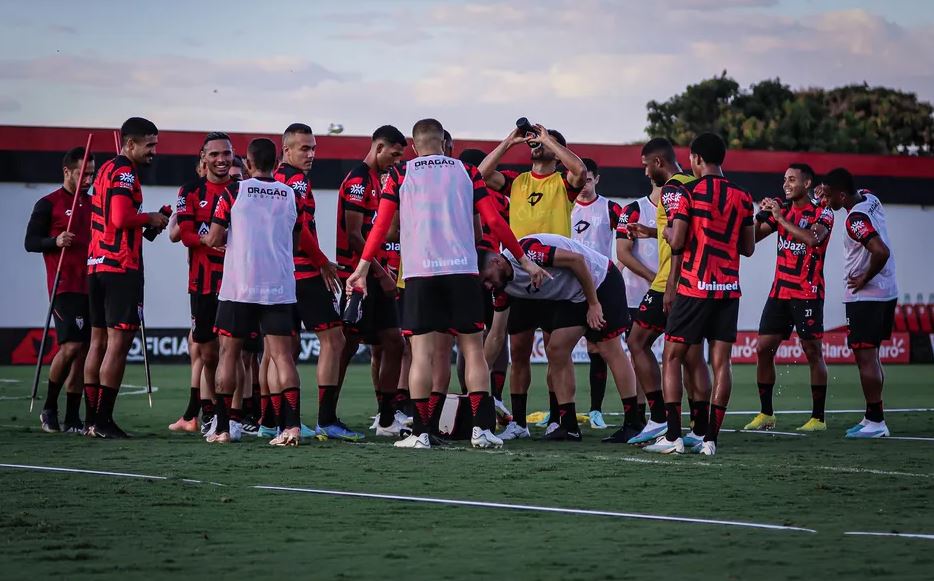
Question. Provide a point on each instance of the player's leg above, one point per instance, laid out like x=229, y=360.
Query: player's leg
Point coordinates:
x=774, y=327
x=477, y=376
x=423, y=351
x=269, y=404
x=440, y=378
x=809, y=322
x=276, y=323
x=226, y=367
x=558, y=351
x=625, y=379
x=520, y=376
x=74, y=386
x=697, y=383
x=869, y=323
x=640, y=341
x=113, y=367
x=392, y=349
x=68, y=308
x=720, y=318
x=597, y=375
x=92, y=378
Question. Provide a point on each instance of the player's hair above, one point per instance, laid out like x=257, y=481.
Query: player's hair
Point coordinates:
x=390, y=135
x=661, y=147
x=296, y=129
x=710, y=147
x=238, y=162
x=558, y=137
x=591, y=166
x=447, y=136
x=214, y=136
x=472, y=157
x=262, y=152
x=484, y=258
x=840, y=179
x=74, y=156
x=804, y=168
x=137, y=128
x=428, y=128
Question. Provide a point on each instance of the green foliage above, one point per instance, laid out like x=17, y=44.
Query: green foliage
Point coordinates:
x=770, y=115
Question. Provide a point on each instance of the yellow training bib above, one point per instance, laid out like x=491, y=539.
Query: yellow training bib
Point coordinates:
x=539, y=205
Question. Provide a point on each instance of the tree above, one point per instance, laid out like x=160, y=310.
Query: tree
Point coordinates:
x=770, y=115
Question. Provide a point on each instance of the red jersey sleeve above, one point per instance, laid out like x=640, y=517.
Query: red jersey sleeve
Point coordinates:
x=616, y=212
x=677, y=203
x=393, y=184
x=747, y=211
x=353, y=194
x=825, y=218
x=479, y=186
x=539, y=253
x=629, y=214
x=222, y=212
x=510, y=176
x=859, y=227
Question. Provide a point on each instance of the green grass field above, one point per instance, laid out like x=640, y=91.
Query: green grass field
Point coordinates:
x=76, y=526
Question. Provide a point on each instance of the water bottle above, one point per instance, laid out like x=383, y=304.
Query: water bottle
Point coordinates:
x=353, y=312
x=150, y=233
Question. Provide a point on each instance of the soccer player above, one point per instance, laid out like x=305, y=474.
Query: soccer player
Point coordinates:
x=194, y=211
x=711, y=226
x=585, y=297
x=436, y=198
x=540, y=201
x=871, y=289
x=317, y=284
x=797, y=296
x=662, y=168
x=115, y=268
x=260, y=220
x=358, y=201
x=48, y=233
x=594, y=221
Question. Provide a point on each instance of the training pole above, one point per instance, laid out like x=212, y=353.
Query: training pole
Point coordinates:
x=142, y=322
x=58, y=273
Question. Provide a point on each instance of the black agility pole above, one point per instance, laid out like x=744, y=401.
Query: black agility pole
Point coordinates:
x=142, y=322
x=58, y=272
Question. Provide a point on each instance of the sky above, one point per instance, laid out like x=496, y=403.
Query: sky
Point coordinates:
x=585, y=67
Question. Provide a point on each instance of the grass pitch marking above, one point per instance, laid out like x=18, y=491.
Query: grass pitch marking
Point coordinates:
x=429, y=500
x=534, y=508
x=902, y=535
x=125, y=389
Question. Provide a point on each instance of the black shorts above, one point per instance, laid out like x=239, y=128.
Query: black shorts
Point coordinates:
x=241, y=320
x=691, y=320
x=315, y=306
x=378, y=313
x=116, y=300
x=71, y=317
x=203, y=315
x=253, y=343
x=612, y=296
x=400, y=302
x=651, y=312
x=529, y=314
x=869, y=322
x=781, y=315
x=447, y=304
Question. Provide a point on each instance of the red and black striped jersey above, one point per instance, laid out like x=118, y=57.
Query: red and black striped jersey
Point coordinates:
x=195, y=210
x=300, y=182
x=115, y=249
x=359, y=193
x=488, y=240
x=799, y=268
x=50, y=218
x=716, y=211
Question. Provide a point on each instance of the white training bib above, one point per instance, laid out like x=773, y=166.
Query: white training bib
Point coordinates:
x=883, y=286
x=590, y=225
x=258, y=264
x=563, y=284
x=645, y=250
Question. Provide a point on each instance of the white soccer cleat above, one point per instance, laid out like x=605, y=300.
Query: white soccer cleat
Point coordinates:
x=869, y=431
x=375, y=423
x=501, y=410
x=664, y=446
x=420, y=442
x=651, y=431
x=596, y=420
x=484, y=439
x=691, y=440
x=551, y=428
x=514, y=431
x=236, y=431
x=393, y=430
x=212, y=427
x=705, y=449
x=402, y=419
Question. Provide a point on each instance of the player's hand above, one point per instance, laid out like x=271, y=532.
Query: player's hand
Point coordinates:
x=357, y=280
x=595, y=318
x=515, y=137
x=538, y=274
x=666, y=234
x=329, y=276
x=157, y=220
x=669, y=298
x=856, y=282
x=635, y=231
x=64, y=239
x=772, y=206
x=543, y=136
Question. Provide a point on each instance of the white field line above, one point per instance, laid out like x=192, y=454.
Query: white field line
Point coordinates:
x=534, y=508
x=133, y=390
x=902, y=535
x=442, y=501
x=908, y=438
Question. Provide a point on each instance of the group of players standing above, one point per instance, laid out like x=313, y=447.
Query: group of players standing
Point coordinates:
x=438, y=248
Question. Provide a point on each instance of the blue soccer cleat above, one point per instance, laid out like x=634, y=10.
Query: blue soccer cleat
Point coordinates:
x=869, y=431
x=265, y=432
x=650, y=432
x=338, y=431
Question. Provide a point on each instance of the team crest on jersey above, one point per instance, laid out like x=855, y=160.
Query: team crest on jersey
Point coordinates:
x=300, y=187
x=858, y=228
x=357, y=191
x=581, y=226
x=180, y=204
x=203, y=230
x=535, y=197
x=670, y=199
x=624, y=219
x=202, y=203
x=68, y=212
x=79, y=322
x=127, y=179
x=803, y=223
